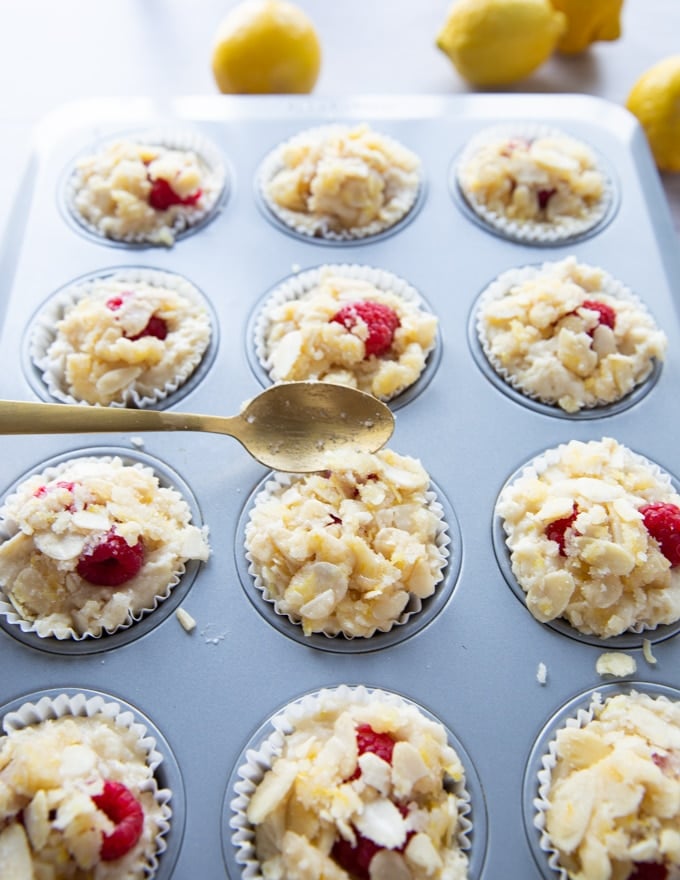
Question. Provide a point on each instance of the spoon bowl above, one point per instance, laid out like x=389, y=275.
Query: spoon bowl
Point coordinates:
x=293, y=426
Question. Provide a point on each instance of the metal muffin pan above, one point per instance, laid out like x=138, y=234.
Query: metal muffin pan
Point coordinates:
x=474, y=664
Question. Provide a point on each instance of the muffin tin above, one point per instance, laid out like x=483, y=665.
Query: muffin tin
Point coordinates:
x=474, y=663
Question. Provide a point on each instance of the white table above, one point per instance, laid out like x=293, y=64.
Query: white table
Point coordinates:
x=55, y=53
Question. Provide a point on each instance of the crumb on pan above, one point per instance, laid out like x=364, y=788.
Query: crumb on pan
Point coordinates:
x=186, y=620
x=616, y=663
x=542, y=673
x=647, y=651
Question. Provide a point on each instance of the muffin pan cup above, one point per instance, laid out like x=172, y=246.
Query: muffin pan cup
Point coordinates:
x=63, y=639
x=537, y=233
x=265, y=745
x=632, y=637
x=398, y=210
x=478, y=663
x=46, y=374
x=299, y=285
x=417, y=614
x=165, y=782
x=574, y=713
x=187, y=221
x=480, y=338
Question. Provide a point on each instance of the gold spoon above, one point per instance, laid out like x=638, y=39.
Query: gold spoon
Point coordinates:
x=288, y=427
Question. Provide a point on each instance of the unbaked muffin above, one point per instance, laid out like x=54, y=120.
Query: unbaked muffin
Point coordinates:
x=352, y=550
x=535, y=184
x=92, y=545
x=340, y=182
x=129, y=338
x=609, y=804
x=78, y=793
x=593, y=532
x=146, y=189
x=568, y=334
x=351, y=325
x=354, y=783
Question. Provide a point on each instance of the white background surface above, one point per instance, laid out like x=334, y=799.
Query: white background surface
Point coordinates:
x=58, y=52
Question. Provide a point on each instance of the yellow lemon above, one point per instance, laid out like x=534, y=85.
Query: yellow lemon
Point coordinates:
x=587, y=22
x=495, y=42
x=266, y=47
x=655, y=100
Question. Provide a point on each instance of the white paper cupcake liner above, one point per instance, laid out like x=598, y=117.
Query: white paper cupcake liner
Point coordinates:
x=575, y=717
x=541, y=803
x=501, y=285
x=80, y=705
x=297, y=286
x=308, y=225
x=192, y=216
x=415, y=604
x=43, y=629
x=43, y=333
x=533, y=470
x=528, y=231
x=261, y=758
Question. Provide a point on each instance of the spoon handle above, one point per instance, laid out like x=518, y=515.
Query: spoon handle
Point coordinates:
x=20, y=417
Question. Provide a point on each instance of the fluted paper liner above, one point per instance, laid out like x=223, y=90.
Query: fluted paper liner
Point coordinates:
x=43, y=333
x=578, y=718
x=258, y=760
x=530, y=231
x=80, y=705
x=415, y=604
x=43, y=630
x=308, y=225
x=501, y=285
x=298, y=285
x=550, y=457
x=213, y=184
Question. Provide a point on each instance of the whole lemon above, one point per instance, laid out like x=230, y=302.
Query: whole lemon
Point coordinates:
x=266, y=47
x=587, y=22
x=496, y=42
x=655, y=100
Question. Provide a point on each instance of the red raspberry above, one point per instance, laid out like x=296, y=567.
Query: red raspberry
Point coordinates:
x=555, y=531
x=155, y=327
x=544, y=196
x=112, y=562
x=662, y=521
x=381, y=321
x=649, y=871
x=606, y=314
x=41, y=491
x=515, y=144
x=125, y=811
x=162, y=195
x=381, y=744
x=115, y=302
x=355, y=859
x=661, y=761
